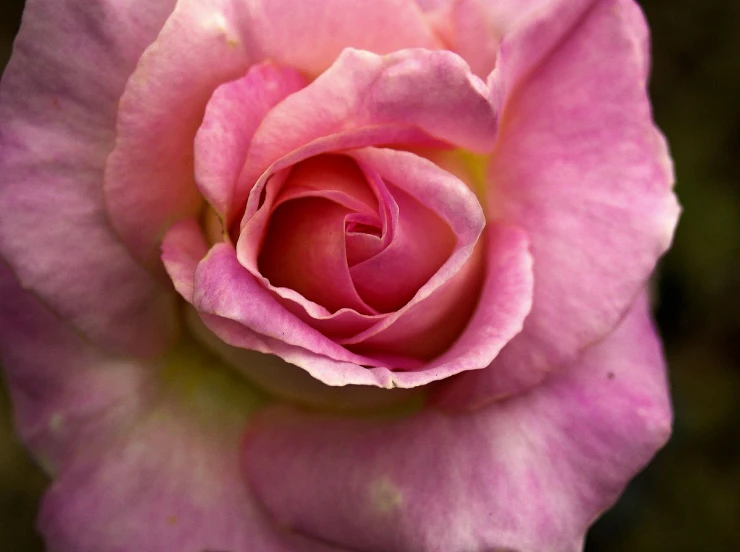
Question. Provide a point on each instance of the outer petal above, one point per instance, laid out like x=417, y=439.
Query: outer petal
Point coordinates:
x=466, y=27
x=149, y=180
x=502, y=16
x=325, y=28
x=145, y=456
x=58, y=103
x=529, y=473
x=580, y=166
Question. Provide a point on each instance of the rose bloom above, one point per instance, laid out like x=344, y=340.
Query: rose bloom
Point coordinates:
x=331, y=275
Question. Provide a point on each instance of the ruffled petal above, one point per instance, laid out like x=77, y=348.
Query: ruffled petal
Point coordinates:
x=58, y=102
x=292, y=383
x=581, y=167
x=528, y=473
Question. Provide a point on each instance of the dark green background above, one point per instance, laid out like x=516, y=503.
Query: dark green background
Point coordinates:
x=689, y=498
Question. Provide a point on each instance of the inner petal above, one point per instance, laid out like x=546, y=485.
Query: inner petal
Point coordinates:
x=304, y=250
x=334, y=177
x=363, y=238
x=421, y=243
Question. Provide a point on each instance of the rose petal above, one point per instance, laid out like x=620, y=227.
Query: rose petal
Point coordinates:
x=57, y=110
x=225, y=288
x=507, y=15
x=313, y=178
x=334, y=177
x=528, y=473
x=327, y=370
x=427, y=327
x=421, y=244
x=138, y=467
x=437, y=215
x=304, y=250
x=289, y=382
x=149, y=181
x=382, y=26
x=467, y=28
x=580, y=166
x=183, y=247
x=364, y=99
x=236, y=308
x=233, y=113
x=504, y=303
x=503, y=15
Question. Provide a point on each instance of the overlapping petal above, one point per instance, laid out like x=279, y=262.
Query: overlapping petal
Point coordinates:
x=233, y=113
x=527, y=473
x=467, y=28
x=364, y=99
x=149, y=178
x=581, y=167
x=202, y=45
x=58, y=103
x=150, y=456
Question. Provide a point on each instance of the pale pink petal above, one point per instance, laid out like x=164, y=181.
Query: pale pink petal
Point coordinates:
x=501, y=16
x=311, y=35
x=149, y=182
x=58, y=101
x=526, y=474
x=137, y=464
x=507, y=15
x=232, y=115
x=364, y=99
x=580, y=166
x=169, y=482
x=467, y=28
x=65, y=391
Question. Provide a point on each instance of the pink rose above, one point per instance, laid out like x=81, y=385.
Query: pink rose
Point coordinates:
x=231, y=227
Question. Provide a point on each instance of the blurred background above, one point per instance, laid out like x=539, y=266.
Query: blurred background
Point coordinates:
x=688, y=499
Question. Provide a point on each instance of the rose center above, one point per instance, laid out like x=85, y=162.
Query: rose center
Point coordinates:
x=343, y=238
